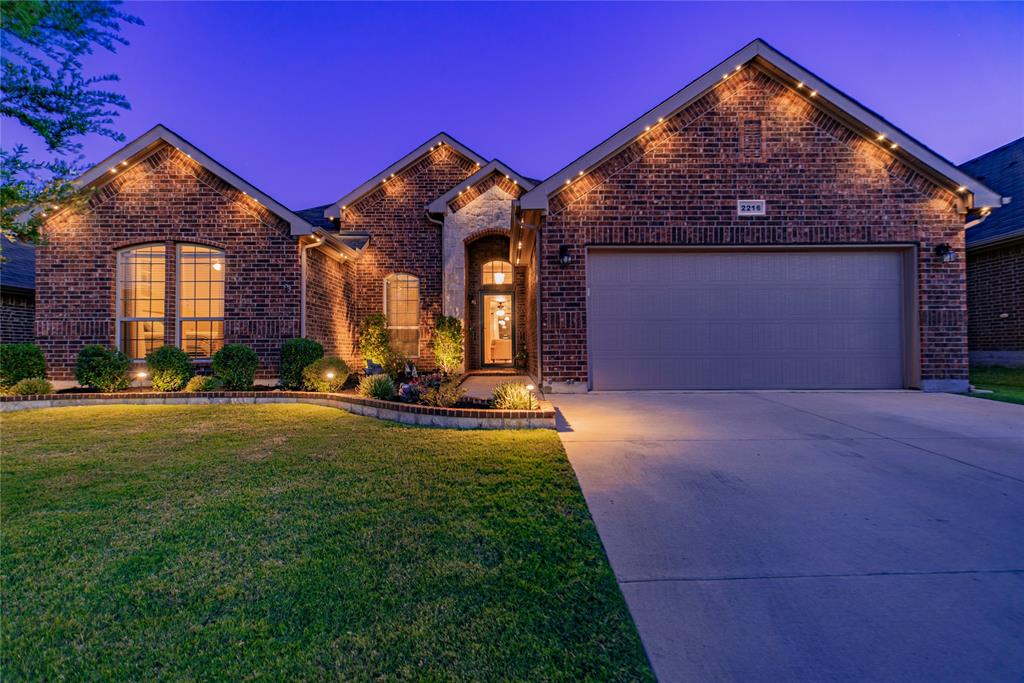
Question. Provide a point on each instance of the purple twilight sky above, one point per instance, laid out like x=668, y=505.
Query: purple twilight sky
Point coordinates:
x=306, y=100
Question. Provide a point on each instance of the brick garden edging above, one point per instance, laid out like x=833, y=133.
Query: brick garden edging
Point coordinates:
x=405, y=413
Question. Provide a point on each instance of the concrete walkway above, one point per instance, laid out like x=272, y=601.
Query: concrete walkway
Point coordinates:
x=482, y=386
x=811, y=536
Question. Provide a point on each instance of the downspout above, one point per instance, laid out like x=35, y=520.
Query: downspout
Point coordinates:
x=537, y=261
x=302, y=291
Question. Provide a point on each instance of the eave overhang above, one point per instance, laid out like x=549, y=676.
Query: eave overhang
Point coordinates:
x=870, y=124
x=335, y=210
x=142, y=146
x=440, y=205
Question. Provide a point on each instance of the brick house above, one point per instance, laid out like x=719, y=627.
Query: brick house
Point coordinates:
x=995, y=263
x=757, y=229
x=17, y=293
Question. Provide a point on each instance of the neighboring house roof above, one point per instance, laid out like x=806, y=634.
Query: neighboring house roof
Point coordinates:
x=824, y=94
x=1003, y=170
x=18, y=269
x=140, y=146
x=334, y=210
x=440, y=205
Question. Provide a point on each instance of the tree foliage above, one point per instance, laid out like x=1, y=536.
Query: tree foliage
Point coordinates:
x=45, y=88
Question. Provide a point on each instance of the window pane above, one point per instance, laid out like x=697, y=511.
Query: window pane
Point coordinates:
x=141, y=308
x=402, y=308
x=201, y=300
x=493, y=271
x=138, y=338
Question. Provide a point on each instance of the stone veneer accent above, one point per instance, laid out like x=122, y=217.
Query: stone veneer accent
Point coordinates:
x=427, y=416
x=492, y=209
x=824, y=184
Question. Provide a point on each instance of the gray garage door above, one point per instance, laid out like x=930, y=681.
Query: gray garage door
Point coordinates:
x=745, y=320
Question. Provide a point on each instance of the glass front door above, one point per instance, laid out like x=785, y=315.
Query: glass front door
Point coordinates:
x=497, y=333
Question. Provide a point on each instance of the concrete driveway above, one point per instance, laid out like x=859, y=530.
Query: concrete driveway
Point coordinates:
x=811, y=536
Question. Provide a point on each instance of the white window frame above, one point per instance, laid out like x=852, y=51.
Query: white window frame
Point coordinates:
x=177, y=295
x=416, y=327
x=119, y=316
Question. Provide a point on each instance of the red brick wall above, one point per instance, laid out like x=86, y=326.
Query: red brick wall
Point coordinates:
x=403, y=240
x=528, y=260
x=17, y=318
x=331, y=306
x=167, y=198
x=995, y=286
x=824, y=184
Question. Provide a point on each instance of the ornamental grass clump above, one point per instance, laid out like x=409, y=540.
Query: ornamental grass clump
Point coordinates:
x=32, y=386
x=18, y=362
x=102, y=368
x=296, y=356
x=170, y=368
x=326, y=375
x=513, y=396
x=204, y=383
x=235, y=365
x=377, y=386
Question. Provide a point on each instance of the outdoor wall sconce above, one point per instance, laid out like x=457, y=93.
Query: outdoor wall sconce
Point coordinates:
x=945, y=252
x=564, y=257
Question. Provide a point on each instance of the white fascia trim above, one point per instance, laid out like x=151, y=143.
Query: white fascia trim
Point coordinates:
x=101, y=172
x=538, y=197
x=440, y=205
x=334, y=210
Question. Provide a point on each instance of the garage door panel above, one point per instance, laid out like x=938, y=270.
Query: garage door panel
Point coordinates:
x=718, y=320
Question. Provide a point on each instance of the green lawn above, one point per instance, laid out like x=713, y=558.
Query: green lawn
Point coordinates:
x=296, y=542
x=1007, y=384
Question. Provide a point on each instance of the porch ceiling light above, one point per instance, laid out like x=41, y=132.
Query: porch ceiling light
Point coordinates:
x=500, y=299
x=500, y=313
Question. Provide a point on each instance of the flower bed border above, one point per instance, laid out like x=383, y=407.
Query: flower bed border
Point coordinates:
x=405, y=413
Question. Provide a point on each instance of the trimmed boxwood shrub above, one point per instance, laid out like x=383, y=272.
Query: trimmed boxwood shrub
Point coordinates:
x=377, y=386
x=103, y=368
x=513, y=396
x=18, y=362
x=448, y=344
x=204, y=383
x=31, y=386
x=296, y=355
x=170, y=368
x=374, y=339
x=326, y=374
x=235, y=365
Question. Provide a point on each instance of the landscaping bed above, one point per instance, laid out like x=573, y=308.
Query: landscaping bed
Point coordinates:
x=293, y=542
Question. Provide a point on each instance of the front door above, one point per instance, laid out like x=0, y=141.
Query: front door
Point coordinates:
x=498, y=331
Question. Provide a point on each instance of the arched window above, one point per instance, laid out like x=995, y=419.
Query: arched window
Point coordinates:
x=402, y=309
x=497, y=273
x=141, y=280
x=200, y=299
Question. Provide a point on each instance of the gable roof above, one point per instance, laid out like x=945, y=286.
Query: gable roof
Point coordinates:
x=18, y=269
x=824, y=93
x=334, y=210
x=140, y=147
x=440, y=205
x=1003, y=170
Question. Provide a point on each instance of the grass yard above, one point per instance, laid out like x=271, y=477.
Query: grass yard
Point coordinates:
x=1006, y=384
x=297, y=542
